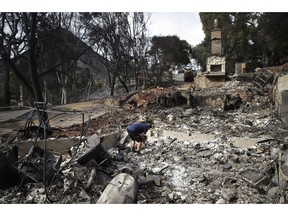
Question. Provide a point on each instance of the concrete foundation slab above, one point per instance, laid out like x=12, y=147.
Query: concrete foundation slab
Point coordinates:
x=184, y=136
x=58, y=145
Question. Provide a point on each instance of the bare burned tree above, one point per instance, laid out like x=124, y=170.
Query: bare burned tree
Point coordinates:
x=19, y=43
x=61, y=47
x=13, y=46
x=118, y=35
x=141, y=43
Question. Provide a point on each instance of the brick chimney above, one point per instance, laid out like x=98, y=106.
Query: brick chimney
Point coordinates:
x=216, y=40
x=216, y=62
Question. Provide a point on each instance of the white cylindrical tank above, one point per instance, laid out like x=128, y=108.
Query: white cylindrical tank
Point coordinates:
x=123, y=188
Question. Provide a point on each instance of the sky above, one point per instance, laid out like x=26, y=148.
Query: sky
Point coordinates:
x=168, y=17
x=145, y=5
x=186, y=25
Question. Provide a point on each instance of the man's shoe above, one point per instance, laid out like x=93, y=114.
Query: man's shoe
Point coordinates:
x=138, y=153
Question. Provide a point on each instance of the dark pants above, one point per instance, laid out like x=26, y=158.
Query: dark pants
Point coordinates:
x=134, y=136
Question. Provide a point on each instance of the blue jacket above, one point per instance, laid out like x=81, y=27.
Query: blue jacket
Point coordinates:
x=138, y=128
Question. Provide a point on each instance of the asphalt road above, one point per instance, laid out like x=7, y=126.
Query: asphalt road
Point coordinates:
x=14, y=120
x=13, y=114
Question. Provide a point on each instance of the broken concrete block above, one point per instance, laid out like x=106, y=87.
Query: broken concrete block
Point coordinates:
x=95, y=151
x=58, y=145
x=283, y=177
x=122, y=189
x=273, y=191
x=111, y=140
x=282, y=200
x=123, y=138
x=284, y=107
x=155, y=178
x=281, y=98
x=171, y=195
x=220, y=201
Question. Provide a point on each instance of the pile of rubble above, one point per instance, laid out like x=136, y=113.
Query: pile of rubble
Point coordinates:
x=194, y=153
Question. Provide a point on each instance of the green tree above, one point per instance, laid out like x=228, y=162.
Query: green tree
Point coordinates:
x=200, y=53
x=203, y=50
x=167, y=52
x=273, y=27
x=239, y=30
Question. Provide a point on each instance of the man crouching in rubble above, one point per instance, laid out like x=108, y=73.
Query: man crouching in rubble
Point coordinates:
x=137, y=132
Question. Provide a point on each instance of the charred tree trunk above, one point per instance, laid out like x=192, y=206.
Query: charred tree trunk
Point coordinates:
x=17, y=71
x=124, y=84
x=32, y=55
x=6, y=88
x=32, y=41
x=113, y=80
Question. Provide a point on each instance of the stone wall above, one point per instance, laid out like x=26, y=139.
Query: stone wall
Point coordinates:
x=216, y=60
x=281, y=98
x=216, y=48
x=240, y=68
x=216, y=100
x=202, y=81
x=216, y=34
x=216, y=45
x=283, y=113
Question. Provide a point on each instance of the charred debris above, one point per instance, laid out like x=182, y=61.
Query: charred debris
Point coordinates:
x=222, y=144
